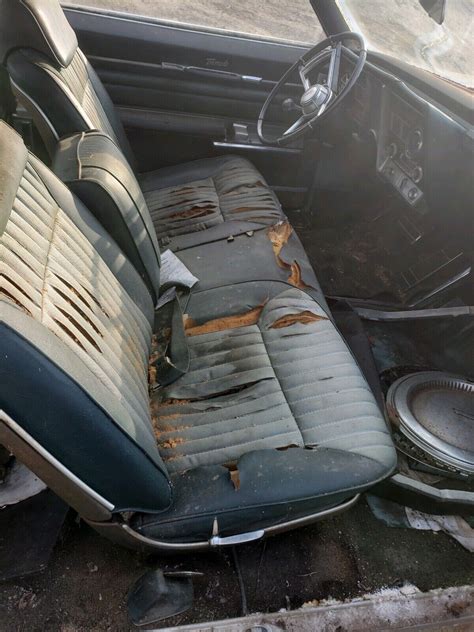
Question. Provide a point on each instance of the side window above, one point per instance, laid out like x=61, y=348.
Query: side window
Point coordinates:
x=293, y=21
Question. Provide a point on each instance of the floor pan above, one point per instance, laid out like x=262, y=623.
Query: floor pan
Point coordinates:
x=86, y=583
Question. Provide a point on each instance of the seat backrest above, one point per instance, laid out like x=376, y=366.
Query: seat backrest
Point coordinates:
x=95, y=169
x=75, y=336
x=51, y=76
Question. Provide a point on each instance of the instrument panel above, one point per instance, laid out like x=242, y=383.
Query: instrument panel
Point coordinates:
x=422, y=150
x=381, y=105
x=402, y=152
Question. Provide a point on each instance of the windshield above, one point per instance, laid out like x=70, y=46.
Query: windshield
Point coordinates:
x=402, y=29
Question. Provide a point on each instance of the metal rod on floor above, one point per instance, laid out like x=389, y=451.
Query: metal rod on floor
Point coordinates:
x=414, y=314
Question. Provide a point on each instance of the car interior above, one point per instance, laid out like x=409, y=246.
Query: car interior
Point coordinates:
x=321, y=197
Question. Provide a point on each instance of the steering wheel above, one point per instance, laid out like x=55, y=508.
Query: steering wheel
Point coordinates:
x=320, y=99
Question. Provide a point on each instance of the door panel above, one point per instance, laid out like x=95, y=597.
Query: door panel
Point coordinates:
x=179, y=90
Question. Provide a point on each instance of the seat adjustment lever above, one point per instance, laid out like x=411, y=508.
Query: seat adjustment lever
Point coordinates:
x=233, y=540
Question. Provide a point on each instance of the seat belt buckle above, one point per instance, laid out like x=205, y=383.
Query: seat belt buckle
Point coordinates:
x=162, y=365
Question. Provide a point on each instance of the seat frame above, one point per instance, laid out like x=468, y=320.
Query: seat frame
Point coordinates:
x=98, y=512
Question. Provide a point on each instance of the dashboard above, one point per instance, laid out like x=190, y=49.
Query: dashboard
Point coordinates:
x=422, y=151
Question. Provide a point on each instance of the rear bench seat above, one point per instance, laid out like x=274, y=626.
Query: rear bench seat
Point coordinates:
x=273, y=423
x=93, y=166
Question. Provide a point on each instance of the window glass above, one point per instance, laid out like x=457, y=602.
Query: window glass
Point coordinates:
x=402, y=29
x=293, y=20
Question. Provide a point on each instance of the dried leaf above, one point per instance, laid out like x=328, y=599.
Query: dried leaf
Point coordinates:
x=295, y=277
x=279, y=235
x=227, y=322
x=291, y=319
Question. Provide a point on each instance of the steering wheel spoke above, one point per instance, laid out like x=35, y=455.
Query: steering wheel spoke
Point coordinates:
x=304, y=79
x=320, y=98
x=296, y=125
x=334, y=65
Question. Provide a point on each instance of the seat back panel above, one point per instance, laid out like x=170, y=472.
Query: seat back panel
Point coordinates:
x=50, y=74
x=92, y=166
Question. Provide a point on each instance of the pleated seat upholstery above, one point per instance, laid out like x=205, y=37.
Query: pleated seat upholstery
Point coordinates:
x=231, y=189
x=288, y=380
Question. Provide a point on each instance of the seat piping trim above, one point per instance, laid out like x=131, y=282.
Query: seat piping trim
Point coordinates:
x=204, y=545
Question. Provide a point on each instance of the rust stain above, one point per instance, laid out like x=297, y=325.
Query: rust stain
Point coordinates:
x=279, y=235
x=228, y=322
x=291, y=319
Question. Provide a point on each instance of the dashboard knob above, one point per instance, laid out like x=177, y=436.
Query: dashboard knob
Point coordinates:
x=415, y=142
x=417, y=174
x=392, y=150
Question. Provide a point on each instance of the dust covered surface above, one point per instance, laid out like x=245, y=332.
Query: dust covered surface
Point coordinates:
x=85, y=586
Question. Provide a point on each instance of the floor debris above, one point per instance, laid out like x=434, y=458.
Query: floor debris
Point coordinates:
x=20, y=484
x=394, y=515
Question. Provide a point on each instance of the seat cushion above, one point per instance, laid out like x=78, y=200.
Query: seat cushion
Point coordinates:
x=272, y=254
x=203, y=194
x=273, y=421
x=279, y=375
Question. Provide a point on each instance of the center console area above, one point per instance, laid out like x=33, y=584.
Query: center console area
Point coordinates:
x=400, y=156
